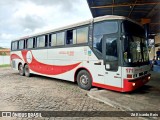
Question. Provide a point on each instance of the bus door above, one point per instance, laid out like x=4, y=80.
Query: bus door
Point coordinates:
x=112, y=73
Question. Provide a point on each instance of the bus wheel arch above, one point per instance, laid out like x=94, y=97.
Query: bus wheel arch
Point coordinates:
x=21, y=69
x=27, y=70
x=83, y=78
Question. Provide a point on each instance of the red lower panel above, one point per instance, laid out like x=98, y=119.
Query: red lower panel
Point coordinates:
x=128, y=85
x=107, y=87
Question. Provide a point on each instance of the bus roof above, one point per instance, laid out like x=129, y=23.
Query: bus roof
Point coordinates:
x=97, y=19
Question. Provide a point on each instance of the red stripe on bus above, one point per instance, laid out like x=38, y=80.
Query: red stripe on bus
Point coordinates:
x=14, y=56
x=24, y=54
x=46, y=69
x=107, y=87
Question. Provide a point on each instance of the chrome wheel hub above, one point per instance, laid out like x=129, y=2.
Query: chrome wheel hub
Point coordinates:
x=84, y=80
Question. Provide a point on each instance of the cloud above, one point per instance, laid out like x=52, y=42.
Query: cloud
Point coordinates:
x=31, y=22
x=66, y=5
x=5, y=39
x=22, y=17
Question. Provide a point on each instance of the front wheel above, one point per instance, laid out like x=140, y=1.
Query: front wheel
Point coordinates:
x=27, y=71
x=84, y=80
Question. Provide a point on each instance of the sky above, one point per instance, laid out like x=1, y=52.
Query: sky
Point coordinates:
x=20, y=18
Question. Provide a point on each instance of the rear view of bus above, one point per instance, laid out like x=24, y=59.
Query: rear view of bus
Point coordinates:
x=108, y=52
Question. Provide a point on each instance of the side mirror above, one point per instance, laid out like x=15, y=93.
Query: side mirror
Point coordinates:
x=108, y=67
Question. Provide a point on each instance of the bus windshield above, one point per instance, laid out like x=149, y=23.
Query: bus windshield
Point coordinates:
x=135, y=45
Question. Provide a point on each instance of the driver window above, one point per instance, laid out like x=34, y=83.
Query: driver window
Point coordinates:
x=101, y=29
x=112, y=53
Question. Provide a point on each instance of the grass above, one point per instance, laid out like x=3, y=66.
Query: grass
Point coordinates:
x=5, y=65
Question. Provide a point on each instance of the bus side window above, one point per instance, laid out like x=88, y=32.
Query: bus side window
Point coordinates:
x=34, y=42
x=52, y=40
x=82, y=35
x=30, y=43
x=46, y=40
x=49, y=37
x=21, y=44
x=41, y=41
x=14, y=45
x=60, y=38
x=71, y=37
x=24, y=44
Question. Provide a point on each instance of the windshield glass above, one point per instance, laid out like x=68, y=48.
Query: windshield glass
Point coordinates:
x=135, y=45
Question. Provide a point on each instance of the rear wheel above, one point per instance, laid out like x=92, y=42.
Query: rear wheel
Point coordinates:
x=27, y=71
x=21, y=70
x=84, y=80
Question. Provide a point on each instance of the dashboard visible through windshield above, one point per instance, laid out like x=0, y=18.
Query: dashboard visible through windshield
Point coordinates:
x=135, y=45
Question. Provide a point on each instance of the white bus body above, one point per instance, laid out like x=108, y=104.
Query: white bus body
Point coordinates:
x=79, y=62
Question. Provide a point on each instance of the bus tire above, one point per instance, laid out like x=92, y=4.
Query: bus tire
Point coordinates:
x=21, y=70
x=27, y=71
x=84, y=80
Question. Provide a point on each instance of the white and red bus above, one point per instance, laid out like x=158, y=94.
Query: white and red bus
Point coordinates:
x=108, y=52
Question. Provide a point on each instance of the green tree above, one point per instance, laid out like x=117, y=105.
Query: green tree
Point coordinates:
x=4, y=54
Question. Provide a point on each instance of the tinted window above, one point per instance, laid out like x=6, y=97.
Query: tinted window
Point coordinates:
x=41, y=42
x=21, y=44
x=112, y=53
x=101, y=29
x=133, y=29
x=82, y=35
x=106, y=27
x=53, y=40
x=74, y=36
x=111, y=49
x=14, y=45
x=30, y=43
x=98, y=43
x=71, y=37
x=135, y=45
x=60, y=38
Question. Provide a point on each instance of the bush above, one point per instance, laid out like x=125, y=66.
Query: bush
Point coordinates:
x=3, y=54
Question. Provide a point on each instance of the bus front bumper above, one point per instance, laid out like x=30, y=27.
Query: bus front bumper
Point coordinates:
x=132, y=84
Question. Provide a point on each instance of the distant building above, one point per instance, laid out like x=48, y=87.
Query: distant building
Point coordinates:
x=5, y=51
